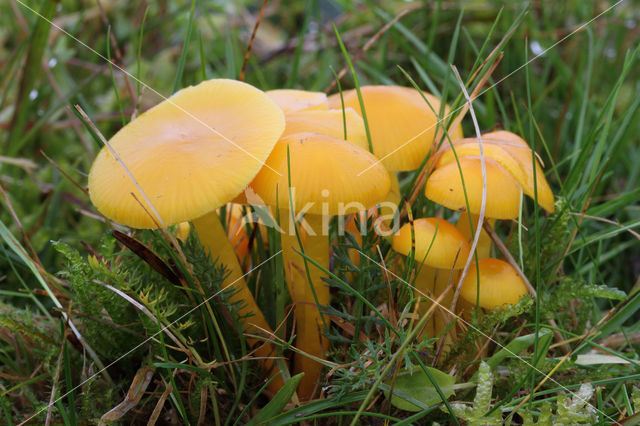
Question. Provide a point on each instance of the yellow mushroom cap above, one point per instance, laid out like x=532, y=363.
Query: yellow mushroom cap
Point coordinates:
x=190, y=154
x=444, y=186
x=521, y=152
x=499, y=284
x=401, y=123
x=291, y=100
x=326, y=173
x=449, y=249
x=328, y=122
x=469, y=148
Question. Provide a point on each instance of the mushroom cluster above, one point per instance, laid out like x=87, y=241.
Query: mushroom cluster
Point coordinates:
x=310, y=157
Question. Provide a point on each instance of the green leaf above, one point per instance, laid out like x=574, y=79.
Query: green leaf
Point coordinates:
x=277, y=404
x=419, y=387
x=518, y=345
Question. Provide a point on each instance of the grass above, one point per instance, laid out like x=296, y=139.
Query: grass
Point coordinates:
x=575, y=104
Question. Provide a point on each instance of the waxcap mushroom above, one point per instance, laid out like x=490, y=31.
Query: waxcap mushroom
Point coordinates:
x=328, y=122
x=520, y=150
x=499, y=284
x=468, y=147
x=437, y=243
x=444, y=186
x=324, y=175
x=512, y=153
x=190, y=154
x=401, y=123
x=292, y=100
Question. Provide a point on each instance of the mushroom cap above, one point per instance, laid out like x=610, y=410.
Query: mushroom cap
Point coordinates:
x=401, y=123
x=449, y=249
x=328, y=122
x=519, y=149
x=499, y=284
x=324, y=176
x=190, y=154
x=468, y=147
x=512, y=153
x=444, y=186
x=292, y=100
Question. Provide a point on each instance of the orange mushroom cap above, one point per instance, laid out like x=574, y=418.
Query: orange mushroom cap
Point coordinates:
x=444, y=186
x=512, y=153
x=499, y=284
x=328, y=122
x=291, y=100
x=401, y=123
x=190, y=154
x=437, y=243
x=325, y=176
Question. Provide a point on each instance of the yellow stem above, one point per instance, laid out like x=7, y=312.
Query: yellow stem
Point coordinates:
x=214, y=239
x=424, y=290
x=484, y=243
x=309, y=322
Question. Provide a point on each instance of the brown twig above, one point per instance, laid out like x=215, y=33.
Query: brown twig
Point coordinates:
x=116, y=49
x=65, y=174
x=251, y=40
x=509, y=258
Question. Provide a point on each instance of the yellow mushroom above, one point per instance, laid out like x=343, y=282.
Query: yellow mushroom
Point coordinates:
x=191, y=154
x=498, y=284
x=441, y=248
x=444, y=186
x=402, y=126
x=324, y=182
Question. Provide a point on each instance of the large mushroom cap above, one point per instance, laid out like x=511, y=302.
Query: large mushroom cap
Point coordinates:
x=499, y=284
x=190, y=154
x=292, y=100
x=503, y=192
x=437, y=243
x=328, y=122
x=401, y=123
x=326, y=174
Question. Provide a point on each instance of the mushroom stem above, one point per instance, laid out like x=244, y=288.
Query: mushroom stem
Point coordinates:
x=424, y=290
x=430, y=284
x=484, y=243
x=214, y=239
x=309, y=321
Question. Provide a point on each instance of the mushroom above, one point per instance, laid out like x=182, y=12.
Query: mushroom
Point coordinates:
x=324, y=182
x=189, y=155
x=512, y=153
x=508, y=159
x=291, y=100
x=401, y=123
x=441, y=249
x=498, y=284
x=328, y=122
x=444, y=186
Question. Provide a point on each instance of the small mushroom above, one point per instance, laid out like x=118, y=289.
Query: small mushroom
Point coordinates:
x=191, y=154
x=441, y=248
x=324, y=182
x=498, y=284
x=445, y=187
x=513, y=154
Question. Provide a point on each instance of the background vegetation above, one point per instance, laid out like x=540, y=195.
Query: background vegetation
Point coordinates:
x=576, y=103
